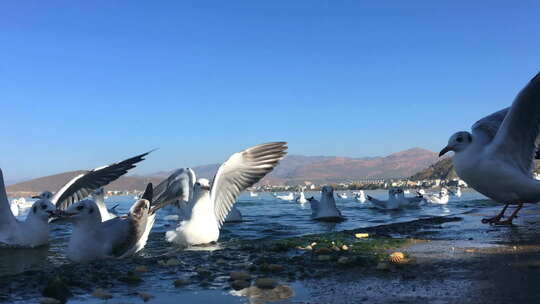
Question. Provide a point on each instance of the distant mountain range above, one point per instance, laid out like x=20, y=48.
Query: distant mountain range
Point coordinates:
x=443, y=169
x=293, y=169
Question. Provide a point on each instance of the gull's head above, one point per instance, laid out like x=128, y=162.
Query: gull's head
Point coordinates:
x=457, y=142
x=47, y=195
x=444, y=191
x=202, y=185
x=327, y=191
x=82, y=210
x=43, y=209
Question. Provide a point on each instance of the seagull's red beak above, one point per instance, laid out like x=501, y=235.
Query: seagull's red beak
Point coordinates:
x=445, y=150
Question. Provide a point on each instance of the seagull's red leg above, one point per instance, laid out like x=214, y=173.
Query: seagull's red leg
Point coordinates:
x=497, y=218
x=512, y=216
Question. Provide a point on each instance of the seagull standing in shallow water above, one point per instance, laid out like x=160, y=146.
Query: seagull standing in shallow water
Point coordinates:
x=94, y=239
x=209, y=204
x=325, y=210
x=33, y=231
x=497, y=158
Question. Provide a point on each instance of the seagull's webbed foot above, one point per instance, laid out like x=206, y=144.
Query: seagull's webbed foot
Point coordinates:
x=508, y=222
x=496, y=219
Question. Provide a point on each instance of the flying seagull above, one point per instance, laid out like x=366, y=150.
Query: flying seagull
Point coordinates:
x=209, y=204
x=84, y=184
x=497, y=158
x=33, y=231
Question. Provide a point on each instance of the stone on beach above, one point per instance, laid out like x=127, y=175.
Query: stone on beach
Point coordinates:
x=266, y=283
x=101, y=294
x=239, y=275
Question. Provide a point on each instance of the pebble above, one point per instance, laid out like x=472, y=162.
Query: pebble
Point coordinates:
x=145, y=296
x=141, y=268
x=276, y=267
x=181, y=282
x=172, y=262
x=266, y=283
x=344, y=247
x=343, y=260
x=361, y=235
x=284, y=291
x=324, y=258
x=335, y=248
x=240, y=284
x=49, y=301
x=239, y=275
x=101, y=294
x=323, y=251
x=382, y=266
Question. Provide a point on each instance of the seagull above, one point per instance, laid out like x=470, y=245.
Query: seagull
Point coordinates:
x=497, y=158
x=440, y=198
x=325, y=209
x=14, y=207
x=120, y=237
x=234, y=216
x=33, y=231
x=396, y=200
x=253, y=194
x=82, y=185
x=360, y=196
x=457, y=192
x=209, y=204
x=341, y=195
x=301, y=199
x=99, y=198
x=288, y=197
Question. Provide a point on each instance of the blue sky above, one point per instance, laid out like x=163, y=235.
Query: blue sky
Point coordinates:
x=85, y=83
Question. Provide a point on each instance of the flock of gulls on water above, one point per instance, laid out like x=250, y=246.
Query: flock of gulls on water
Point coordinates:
x=496, y=159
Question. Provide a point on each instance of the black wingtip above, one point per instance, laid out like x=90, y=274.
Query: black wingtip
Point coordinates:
x=148, y=193
x=369, y=197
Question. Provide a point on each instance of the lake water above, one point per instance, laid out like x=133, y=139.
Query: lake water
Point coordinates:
x=265, y=217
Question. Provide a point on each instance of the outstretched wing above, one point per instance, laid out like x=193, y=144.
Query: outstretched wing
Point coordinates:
x=7, y=219
x=515, y=141
x=242, y=170
x=178, y=186
x=487, y=127
x=82, y=185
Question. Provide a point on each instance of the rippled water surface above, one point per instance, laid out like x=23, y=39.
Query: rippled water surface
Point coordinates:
x=265, y=217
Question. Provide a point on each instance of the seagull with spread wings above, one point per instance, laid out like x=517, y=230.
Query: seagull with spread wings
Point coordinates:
x=82, y=185
x=209, y=205
x=497, y=158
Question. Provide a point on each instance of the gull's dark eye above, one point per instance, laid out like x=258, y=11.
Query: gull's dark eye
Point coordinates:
x=43, y=207
x=459, y=139
x=80, y=208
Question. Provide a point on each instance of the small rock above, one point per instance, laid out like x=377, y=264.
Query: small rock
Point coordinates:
x=101, y=294
x=239, y=275
x=203, y=272
x=276, y=268
x=396, y=257
x=344, y=247
x=181, y=282
x=49, y=301
x=324, y=258
x=172, y=262
x=145, y=296
x=57, y=289
x=361, y=235
x=323, y=251
x=335, y=248
x=382, y=266
x=284, y=291
x=221, y=262
x=313, y=244
x=141, y=268
x=130, y=278
x=240, y=284
x=266, y=283
x=343, y=260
